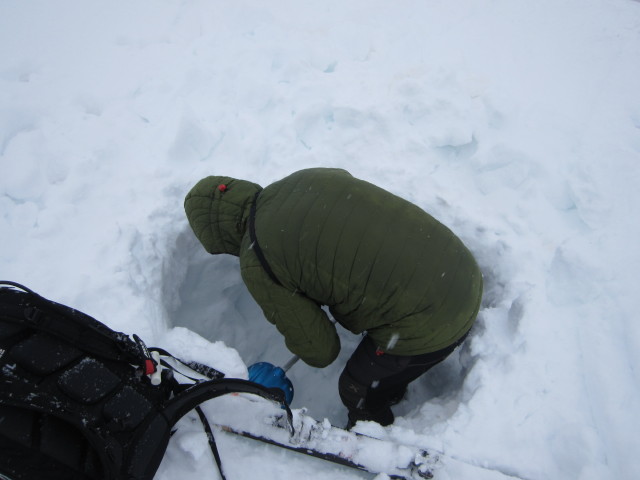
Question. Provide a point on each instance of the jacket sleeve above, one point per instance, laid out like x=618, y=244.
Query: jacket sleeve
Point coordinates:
x=307, y=330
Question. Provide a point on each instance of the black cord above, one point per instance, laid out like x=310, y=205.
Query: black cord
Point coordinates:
x=211, y=439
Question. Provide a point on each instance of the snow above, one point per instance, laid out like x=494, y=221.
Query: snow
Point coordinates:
x=516, y=123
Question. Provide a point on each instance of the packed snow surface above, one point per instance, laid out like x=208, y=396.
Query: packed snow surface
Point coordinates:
x=516, y=123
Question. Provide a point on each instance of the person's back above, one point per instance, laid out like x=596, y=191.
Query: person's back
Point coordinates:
x=379, y=262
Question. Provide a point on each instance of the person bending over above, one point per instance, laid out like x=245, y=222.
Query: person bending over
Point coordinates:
x=384, y=268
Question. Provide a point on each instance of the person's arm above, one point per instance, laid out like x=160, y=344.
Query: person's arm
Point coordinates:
x=307, y=330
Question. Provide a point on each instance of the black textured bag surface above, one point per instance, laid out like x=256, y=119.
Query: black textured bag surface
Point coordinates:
x=76, y=399
x=73, y=393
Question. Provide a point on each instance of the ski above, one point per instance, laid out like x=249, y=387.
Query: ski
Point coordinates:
x=261, y=420
x=327, y=442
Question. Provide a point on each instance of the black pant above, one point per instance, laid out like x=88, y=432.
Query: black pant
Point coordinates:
x=371, y=382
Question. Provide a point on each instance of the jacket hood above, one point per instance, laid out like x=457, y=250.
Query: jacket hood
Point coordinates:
x=218, y=210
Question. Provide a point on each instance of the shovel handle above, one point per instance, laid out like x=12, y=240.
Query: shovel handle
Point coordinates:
x=292, y=361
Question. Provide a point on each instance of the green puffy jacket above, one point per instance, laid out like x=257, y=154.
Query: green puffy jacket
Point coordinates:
x=381, y=264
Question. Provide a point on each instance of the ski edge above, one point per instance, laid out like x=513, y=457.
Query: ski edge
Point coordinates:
x=331, y=457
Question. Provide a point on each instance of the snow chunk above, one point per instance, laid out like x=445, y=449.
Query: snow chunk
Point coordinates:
x=190, y=346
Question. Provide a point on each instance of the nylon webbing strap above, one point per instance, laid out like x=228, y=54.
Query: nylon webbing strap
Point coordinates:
x=211, y=439
x=256, y=245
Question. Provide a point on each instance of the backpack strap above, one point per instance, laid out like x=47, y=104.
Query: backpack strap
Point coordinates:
x=256, y=245
x=211, y=439
x=205, y=370
x=152, y=441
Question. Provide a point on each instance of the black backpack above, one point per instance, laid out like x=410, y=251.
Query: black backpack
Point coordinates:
x=81, y=402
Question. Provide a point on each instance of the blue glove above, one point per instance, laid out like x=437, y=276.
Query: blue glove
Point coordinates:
x=270, y=376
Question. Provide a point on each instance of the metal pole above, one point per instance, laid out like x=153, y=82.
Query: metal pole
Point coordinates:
x=292, y=361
